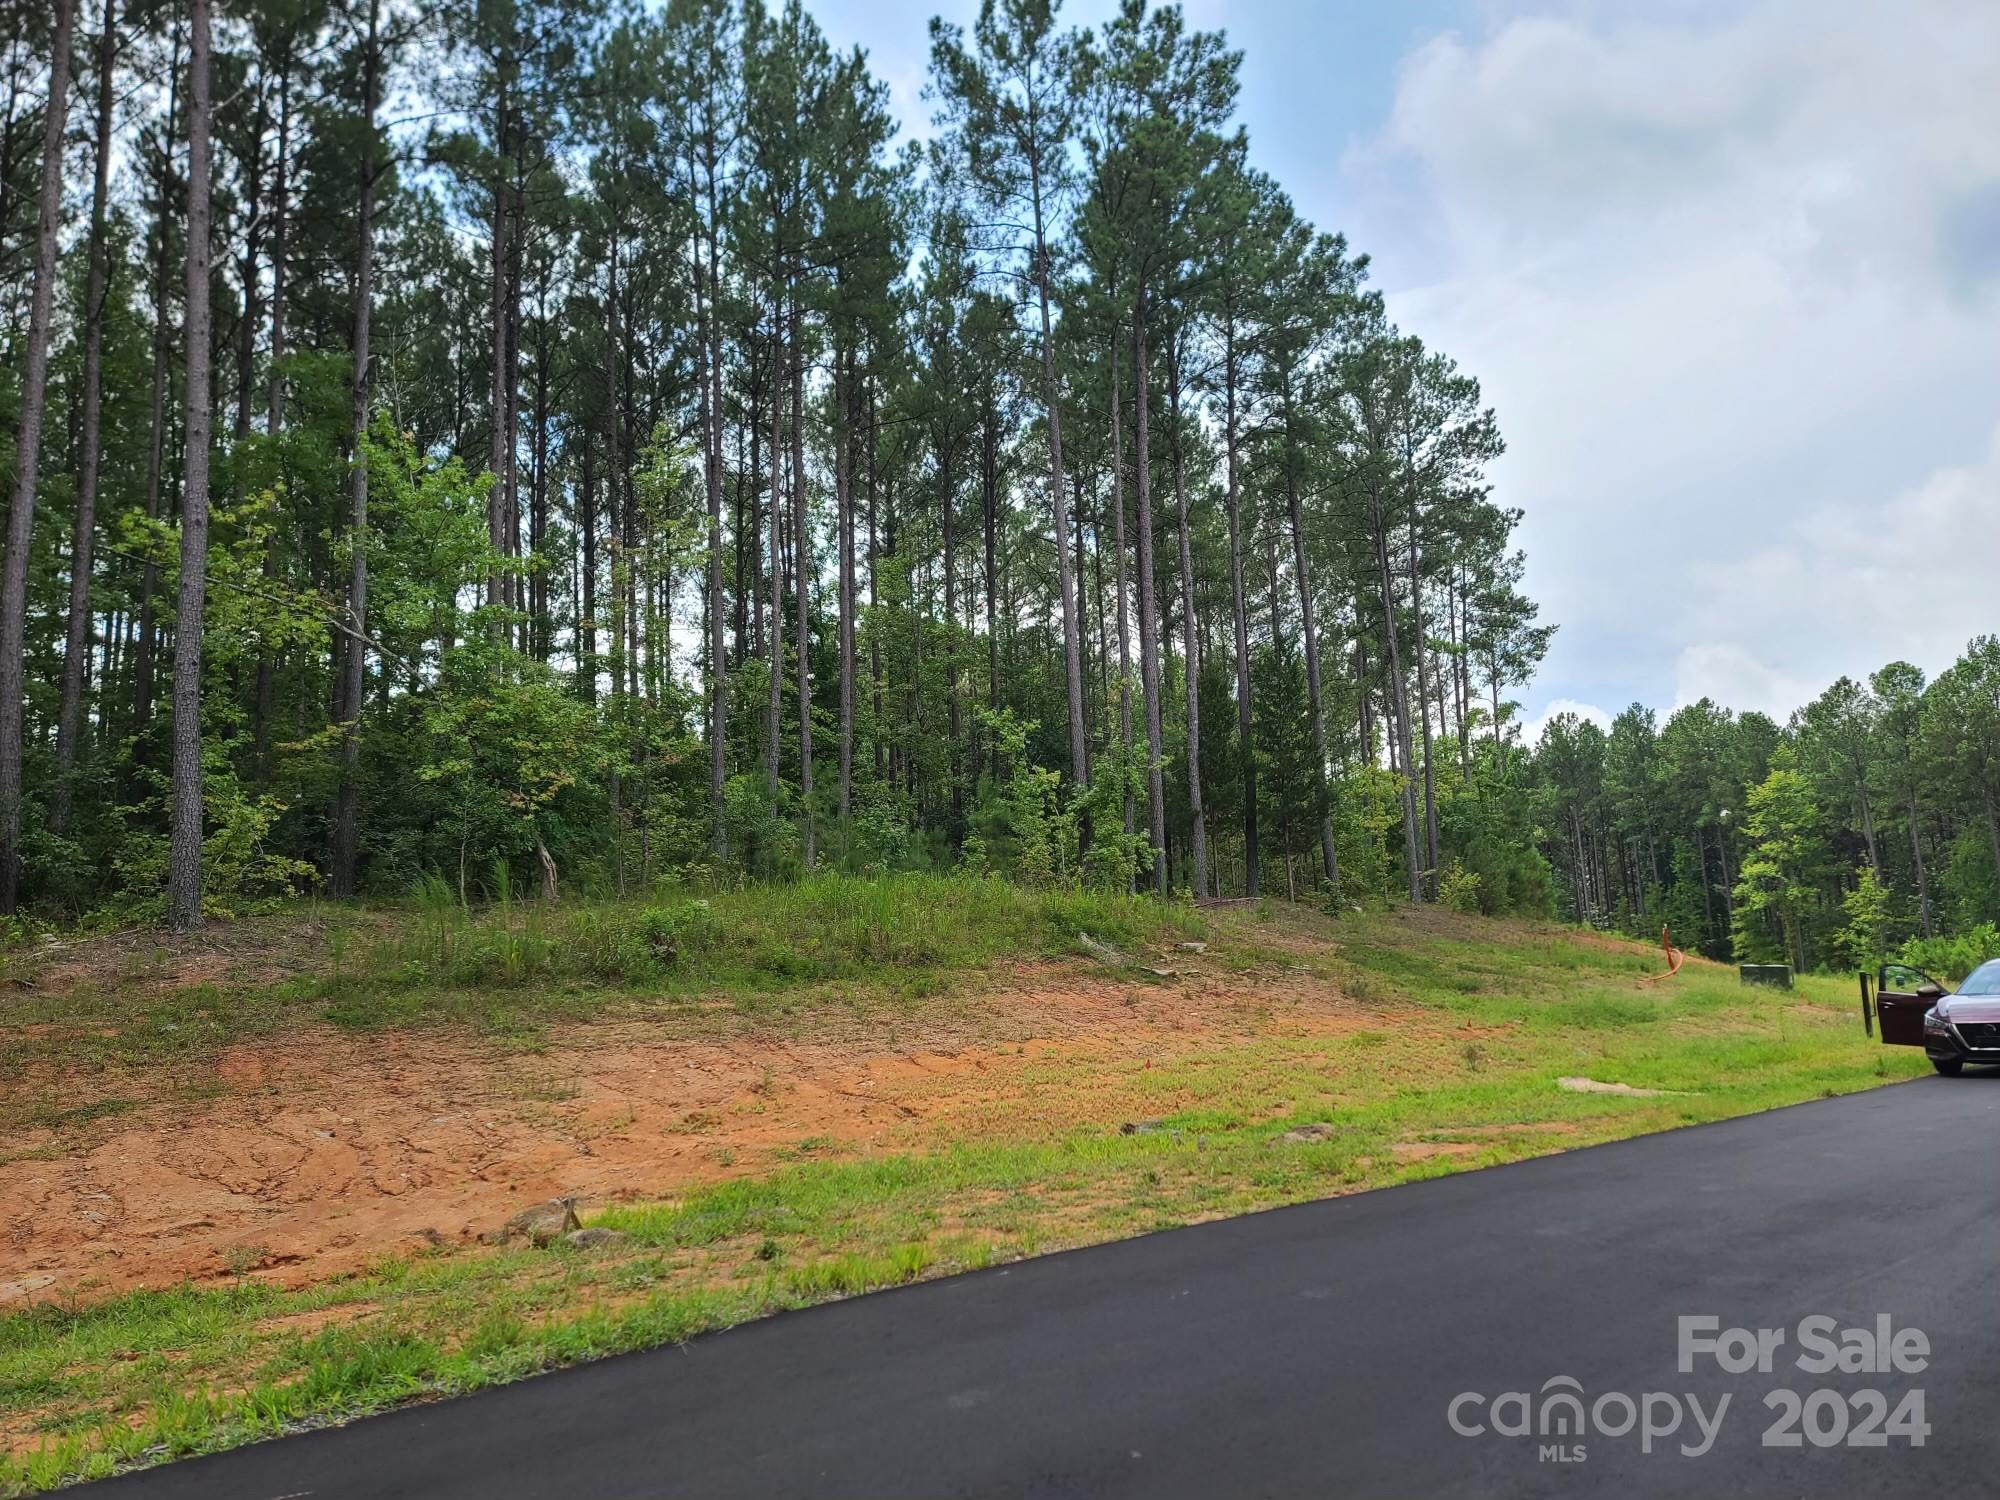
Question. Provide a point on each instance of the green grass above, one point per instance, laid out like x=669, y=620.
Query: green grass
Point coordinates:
x=744, y=942
x=1478, y=1020
x=511, y=969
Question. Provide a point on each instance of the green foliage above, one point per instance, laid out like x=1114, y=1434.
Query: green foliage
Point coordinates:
x=1777, y=882
x=243, y=874
x=1952, y=958
x=503, y=748
x=512, y=962
x=707, y=203
x=670, y=935
x=1869, y=908
x=1028, y=826
x=1458, y=889
x=762, y=840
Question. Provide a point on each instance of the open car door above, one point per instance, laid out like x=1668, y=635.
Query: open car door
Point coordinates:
x=1903, y=997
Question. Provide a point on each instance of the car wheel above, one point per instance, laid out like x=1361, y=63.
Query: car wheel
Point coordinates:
x=1951, y=1067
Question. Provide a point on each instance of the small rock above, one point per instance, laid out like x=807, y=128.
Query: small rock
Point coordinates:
x=1104, y=953
x=540, y=1225
x=1306, y=1135
x=1592, y=1086
x=596, y=1238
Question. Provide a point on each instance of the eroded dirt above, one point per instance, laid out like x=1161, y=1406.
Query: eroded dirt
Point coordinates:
x=314, y=1153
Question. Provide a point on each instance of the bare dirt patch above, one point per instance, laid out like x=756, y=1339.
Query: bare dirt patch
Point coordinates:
x=317, y=1151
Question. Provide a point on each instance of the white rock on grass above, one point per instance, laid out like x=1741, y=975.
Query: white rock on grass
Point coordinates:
x=1593, y=1086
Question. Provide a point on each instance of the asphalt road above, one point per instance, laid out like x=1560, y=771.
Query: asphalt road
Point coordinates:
x=1311, y=1351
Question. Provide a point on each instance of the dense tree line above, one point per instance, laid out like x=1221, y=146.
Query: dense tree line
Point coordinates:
x=590, y=436
x=1869, y=821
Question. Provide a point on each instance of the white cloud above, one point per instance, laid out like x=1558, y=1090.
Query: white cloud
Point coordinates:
x=1845, y=588
x=1537, y=726
x=1730, y=273
x=1731, y=675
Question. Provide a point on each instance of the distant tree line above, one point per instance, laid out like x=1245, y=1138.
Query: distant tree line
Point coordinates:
x=1867, y=824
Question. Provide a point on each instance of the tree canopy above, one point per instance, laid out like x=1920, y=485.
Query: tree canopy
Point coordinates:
x=598, y=436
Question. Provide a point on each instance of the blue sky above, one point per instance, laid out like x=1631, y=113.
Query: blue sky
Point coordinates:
x=1729, y=271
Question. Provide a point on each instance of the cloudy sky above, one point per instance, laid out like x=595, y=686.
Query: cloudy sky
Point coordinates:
x=1729, y=270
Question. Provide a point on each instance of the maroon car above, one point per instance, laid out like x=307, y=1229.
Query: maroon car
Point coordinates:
x=1953, y=1028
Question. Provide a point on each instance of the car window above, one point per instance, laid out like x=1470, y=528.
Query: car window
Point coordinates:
x=1901, y=979
x=1984, y=980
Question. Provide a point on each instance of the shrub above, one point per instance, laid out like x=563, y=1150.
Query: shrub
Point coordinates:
x=1952, y=957
x=1459, y=889
x=664, y=936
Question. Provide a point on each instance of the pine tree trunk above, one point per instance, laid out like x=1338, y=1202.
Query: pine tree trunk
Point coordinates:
x=1066, y=583
x=1423, y=696
x=1868, y=823
x=1917, y=860
x=265, y=697
x=711, y=419
x=802, y=577
x=1462, y=677
x=1149, y=646
x=512, y=584
x=843, y=499
x=586, y=666
x=1079, y=511
x=989, y=501
x=775, y=715
x=614, y=452
x=1309, y=634
x=1239, y=615
x=1123, y=614
x=346, y=818
x=143, y=655
x=499, y=457
x=27, y=460
x=76, y=641
x=281, y=210
x=184, y=849
x=628, y=519
x=539, y=627
x=146, y=651
x=948, y=512
x=253, y=240
x=1399, y=698
x=1191, y=652
x=876, y=686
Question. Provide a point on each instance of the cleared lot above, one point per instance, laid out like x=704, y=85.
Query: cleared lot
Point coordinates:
x=281, y=1220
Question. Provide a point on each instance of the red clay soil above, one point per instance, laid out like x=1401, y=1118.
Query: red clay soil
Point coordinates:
x=312, y=1154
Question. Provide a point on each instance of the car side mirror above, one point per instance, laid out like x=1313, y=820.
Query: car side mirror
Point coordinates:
x=1930, y=989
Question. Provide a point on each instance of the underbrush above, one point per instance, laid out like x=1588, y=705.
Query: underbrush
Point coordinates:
x=757, y=939
x=510, y=967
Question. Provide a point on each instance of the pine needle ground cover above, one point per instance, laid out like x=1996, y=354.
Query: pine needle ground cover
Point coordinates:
x=773, y=1097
